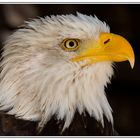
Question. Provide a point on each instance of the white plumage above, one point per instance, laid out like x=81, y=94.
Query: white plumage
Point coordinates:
x=38, y=80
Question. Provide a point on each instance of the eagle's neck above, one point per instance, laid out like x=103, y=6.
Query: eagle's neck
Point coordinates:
x=62, y=90
x=81, y=90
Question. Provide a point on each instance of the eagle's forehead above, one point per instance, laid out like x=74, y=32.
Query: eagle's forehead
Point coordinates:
x=78, y=26
x=53, y=29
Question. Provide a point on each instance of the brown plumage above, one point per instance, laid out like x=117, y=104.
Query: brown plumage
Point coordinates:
x=82, y=125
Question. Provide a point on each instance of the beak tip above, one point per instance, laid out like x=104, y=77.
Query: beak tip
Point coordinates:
x=132, y=62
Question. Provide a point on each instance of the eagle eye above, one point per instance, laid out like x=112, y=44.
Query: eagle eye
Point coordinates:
x=71, y=44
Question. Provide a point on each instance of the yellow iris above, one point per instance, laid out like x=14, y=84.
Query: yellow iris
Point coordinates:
x=71, y=44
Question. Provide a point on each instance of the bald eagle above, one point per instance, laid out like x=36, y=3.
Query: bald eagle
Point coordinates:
x=54, y=71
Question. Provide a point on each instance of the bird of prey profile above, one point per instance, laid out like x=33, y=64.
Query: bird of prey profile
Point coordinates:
x=54, y=71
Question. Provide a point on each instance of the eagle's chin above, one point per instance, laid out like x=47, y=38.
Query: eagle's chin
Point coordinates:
x=37, y=95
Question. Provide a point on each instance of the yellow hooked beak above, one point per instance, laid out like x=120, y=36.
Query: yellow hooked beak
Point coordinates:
x=108, y=47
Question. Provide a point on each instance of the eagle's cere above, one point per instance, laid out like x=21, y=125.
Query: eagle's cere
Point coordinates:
x=58, y=65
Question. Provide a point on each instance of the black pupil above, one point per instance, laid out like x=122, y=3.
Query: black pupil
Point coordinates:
x=71, y=43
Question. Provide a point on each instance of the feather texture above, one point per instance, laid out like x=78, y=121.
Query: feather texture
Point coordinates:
x=38, y=80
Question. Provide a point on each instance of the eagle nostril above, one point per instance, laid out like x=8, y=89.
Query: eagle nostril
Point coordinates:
x=105, y=42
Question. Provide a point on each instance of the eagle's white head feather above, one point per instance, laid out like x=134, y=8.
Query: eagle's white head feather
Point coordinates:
x=38, y=79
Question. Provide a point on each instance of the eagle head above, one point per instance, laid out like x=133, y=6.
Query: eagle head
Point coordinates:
x=58, y=65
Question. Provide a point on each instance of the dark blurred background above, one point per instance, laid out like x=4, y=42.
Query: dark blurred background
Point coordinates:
x=124, y=19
